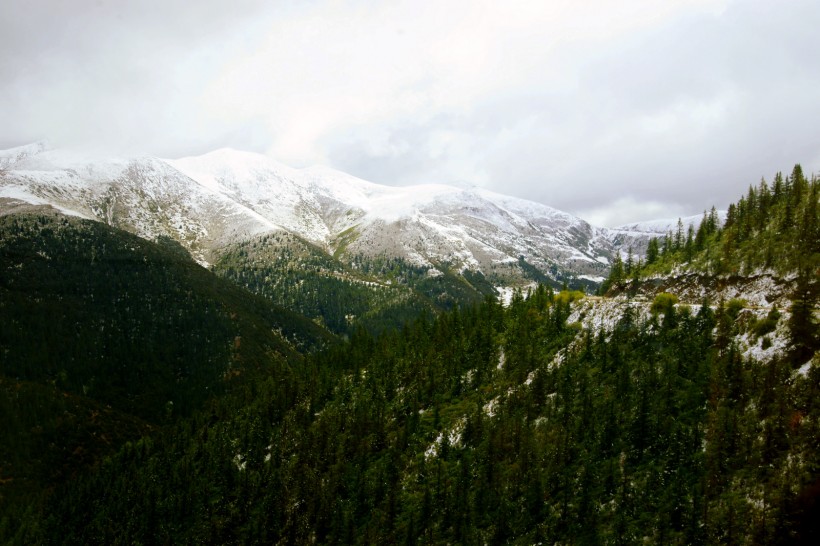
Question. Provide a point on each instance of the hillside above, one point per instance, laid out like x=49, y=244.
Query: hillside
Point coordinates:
x=770, y=228
x=770, y=237
x=377, y=294
x=636, y=236
x=682, y=408
x=485, y=425
x=106, y=334
x=105, y=313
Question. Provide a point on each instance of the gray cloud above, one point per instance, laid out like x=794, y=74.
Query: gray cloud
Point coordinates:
x=610, y=115
x=685, y=114
x=111, y=74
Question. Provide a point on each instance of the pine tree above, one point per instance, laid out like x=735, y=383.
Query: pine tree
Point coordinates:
x=689, y=246
x=652, y=252
x=703, y=231
x=629, y=265
x=678, y=243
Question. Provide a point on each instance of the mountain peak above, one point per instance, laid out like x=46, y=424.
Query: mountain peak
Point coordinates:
x=225, y=196
x=11, y=156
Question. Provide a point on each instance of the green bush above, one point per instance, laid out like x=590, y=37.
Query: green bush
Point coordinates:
x=734, y=306
x=766, y=325
x=663, y=303
x=568, y=296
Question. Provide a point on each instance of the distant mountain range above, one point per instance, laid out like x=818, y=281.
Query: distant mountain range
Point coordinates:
x=209, y=202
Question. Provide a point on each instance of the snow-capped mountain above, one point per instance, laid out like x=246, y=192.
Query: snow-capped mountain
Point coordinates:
x=226, y=196
x=15, y=155
x=637, y=235
x=662, y=227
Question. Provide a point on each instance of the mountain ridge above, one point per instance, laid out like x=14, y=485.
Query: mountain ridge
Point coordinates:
x=211, y=201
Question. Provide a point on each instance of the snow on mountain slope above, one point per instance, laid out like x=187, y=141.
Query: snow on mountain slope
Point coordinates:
x=225, y=196
x=638, y=234
x=662, y=227
x=143, y=195
x=8, y=158
x=429, y=224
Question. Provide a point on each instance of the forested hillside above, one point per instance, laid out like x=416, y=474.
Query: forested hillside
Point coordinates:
x=484, y=425
x=106, y=314
x=773, y=230
x=559, y=419
x=773, y=227
x=105, y=335
x=377, y=294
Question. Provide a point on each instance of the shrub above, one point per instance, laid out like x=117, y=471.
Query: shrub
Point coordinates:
x=768, y=324
x=663, y=303
x=568, y=296
x=734, y=306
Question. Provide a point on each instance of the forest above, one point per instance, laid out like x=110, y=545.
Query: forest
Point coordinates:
x=473, y=423
x=485, y=425
x=772, y=227
x=376, y=293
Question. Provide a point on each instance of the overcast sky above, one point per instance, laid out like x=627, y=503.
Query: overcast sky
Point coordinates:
x=615, y=111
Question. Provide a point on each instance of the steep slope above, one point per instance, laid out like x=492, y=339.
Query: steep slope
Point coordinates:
x=10, y=157
x=103, y=313
x=376, y=293
x=637, y=235
x=144, y=196
x=485, y=425
x=106, y=335
x=766, y=254
x=428, y=225
x=226, y=196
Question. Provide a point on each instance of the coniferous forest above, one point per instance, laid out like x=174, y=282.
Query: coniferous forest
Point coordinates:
x=773, y=227
x=474, y=423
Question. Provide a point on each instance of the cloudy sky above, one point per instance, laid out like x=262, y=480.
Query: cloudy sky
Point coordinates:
x=615, y=111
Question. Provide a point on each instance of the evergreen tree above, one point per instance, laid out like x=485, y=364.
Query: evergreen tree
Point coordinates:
x=652, y=252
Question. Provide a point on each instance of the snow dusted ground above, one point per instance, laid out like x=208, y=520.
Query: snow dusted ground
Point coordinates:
x=761, y=288
x=226, y=196
x=604, y=313
x=13, y=199
x=661, y=227
x=761, y=292
x=11, y=156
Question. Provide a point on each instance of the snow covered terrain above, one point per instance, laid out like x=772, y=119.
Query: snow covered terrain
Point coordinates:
x=427, y=224
x=595, y=314
x=226, y=196
x=12, y=156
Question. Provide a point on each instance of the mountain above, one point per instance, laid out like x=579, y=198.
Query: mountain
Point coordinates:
x=426, y=224
x=377, y=293
x=224, y=197
x=135, y=324
x=637, y=234
x=13, y=156
x=145, y=196
x=682, y=410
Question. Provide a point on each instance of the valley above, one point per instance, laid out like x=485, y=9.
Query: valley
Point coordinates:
x=225, y=350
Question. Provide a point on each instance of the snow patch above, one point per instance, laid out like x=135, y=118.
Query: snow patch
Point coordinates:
x=804, y=369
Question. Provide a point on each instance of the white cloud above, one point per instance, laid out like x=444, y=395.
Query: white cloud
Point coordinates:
x=626, y=209
x=584, y=106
